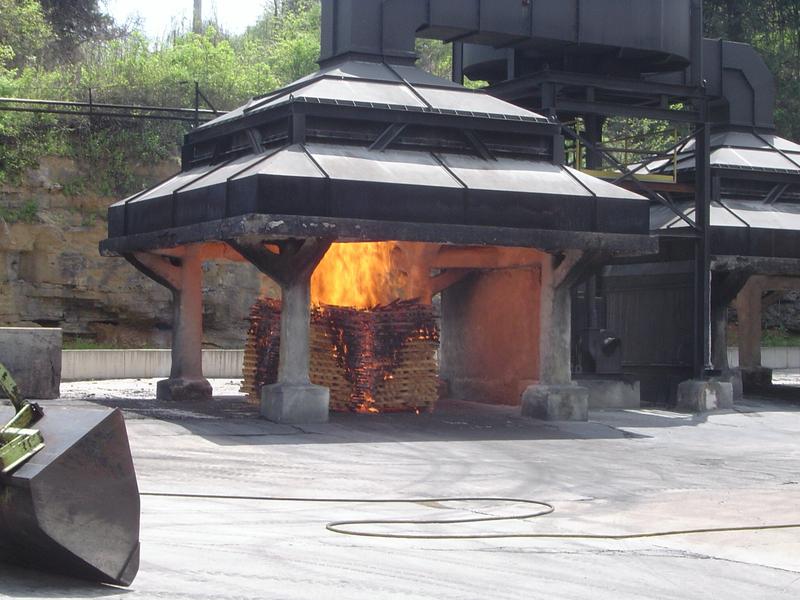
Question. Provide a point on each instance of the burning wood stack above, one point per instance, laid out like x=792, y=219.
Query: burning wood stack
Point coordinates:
x=373, y=360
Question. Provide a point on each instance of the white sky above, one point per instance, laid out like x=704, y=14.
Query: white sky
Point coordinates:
x=158, y=16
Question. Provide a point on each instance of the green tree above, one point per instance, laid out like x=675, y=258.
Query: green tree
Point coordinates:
x=75, y=22
x=773, y=28
x=24, y=32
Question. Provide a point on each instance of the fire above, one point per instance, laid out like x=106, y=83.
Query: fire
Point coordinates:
x=368, y=406
x=357, y=275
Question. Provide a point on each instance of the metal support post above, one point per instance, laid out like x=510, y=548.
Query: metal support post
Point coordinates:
x=702, y=275
x=196, y=104
x=701, y=362
x=458, y=63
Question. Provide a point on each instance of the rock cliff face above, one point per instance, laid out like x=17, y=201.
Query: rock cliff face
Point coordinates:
x=51, y=273
x=784, y=314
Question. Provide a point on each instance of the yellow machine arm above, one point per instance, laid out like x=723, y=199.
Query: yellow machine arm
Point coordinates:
x=17, y=441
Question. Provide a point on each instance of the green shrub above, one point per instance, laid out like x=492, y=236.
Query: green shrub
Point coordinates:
x=27, y=213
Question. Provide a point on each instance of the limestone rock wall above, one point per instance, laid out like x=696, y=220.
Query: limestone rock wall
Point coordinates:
x=51, y=273
x=784, y=314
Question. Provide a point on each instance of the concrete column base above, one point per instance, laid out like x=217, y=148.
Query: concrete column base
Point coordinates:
x=755, y=378
x=734, y=377
x=293, y=403
x=556, y=403
x=181, y=389
x=703, y=396
x=617, y=393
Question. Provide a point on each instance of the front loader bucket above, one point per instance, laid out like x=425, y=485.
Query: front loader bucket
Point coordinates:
x=73, y=507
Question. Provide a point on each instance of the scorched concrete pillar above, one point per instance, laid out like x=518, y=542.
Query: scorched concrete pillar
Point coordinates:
x=293, y=399
x=181, y=271
x=295, y=332
x=556, y=397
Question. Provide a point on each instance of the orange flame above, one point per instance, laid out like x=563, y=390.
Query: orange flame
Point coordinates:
x=356, y=275
x=368, y=406
x=366, y=275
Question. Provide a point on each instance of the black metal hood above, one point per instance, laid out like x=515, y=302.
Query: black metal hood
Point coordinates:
x=371, y=143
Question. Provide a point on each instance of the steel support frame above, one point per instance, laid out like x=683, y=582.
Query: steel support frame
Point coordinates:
x=701, y=356
x=706, y=186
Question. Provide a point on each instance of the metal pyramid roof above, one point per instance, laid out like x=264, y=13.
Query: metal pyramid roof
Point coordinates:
x=383, y=147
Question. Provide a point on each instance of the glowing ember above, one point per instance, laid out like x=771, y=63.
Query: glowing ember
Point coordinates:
x=374, y=333
x=372, y=361
x=368, y=406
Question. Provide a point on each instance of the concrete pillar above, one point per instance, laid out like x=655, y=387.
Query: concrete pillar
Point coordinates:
x=719, y=350
x=293, y=398
x=725, y=286
x=749, y=309
x=556, y=397
x=719, y=336
x=186, y=381
x=181, y=271
x=555, y=323
x=293, y=365
x=700, y=396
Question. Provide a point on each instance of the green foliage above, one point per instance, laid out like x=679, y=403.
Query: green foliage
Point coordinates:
x=130, y=71
x=24, y=32
x=73, y=342
x=638, y=139
x=75, y=187
x=779, y=338
x=27, y=213
x=773, y=28
x=435, y=57
x=125, y=71
x=75, y=22
x=292, y=45
x=23, y=136
x=282, y=46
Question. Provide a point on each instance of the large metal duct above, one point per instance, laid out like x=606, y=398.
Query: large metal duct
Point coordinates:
x=628, y=34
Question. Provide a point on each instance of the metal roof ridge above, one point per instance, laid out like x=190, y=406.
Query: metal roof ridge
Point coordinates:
x=413, y=90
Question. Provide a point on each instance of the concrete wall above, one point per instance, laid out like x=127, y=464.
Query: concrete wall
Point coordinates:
x=490, y=335
x=78, y=365
x=773, y=357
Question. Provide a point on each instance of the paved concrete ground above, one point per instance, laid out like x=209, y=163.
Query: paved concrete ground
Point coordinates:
x=623, y=472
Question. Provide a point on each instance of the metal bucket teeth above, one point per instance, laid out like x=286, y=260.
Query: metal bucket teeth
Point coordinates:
x=73, y=508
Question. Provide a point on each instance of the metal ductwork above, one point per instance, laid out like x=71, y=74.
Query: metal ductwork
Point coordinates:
x=659, y=34
x=356, y=28
x=736, y=74
x=648, y=39
x=740, y=81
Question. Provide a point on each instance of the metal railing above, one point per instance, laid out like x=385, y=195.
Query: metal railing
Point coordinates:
x=91, y=108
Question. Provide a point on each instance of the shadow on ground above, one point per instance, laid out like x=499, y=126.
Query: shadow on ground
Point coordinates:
x=232, y=421
x=17, y=582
